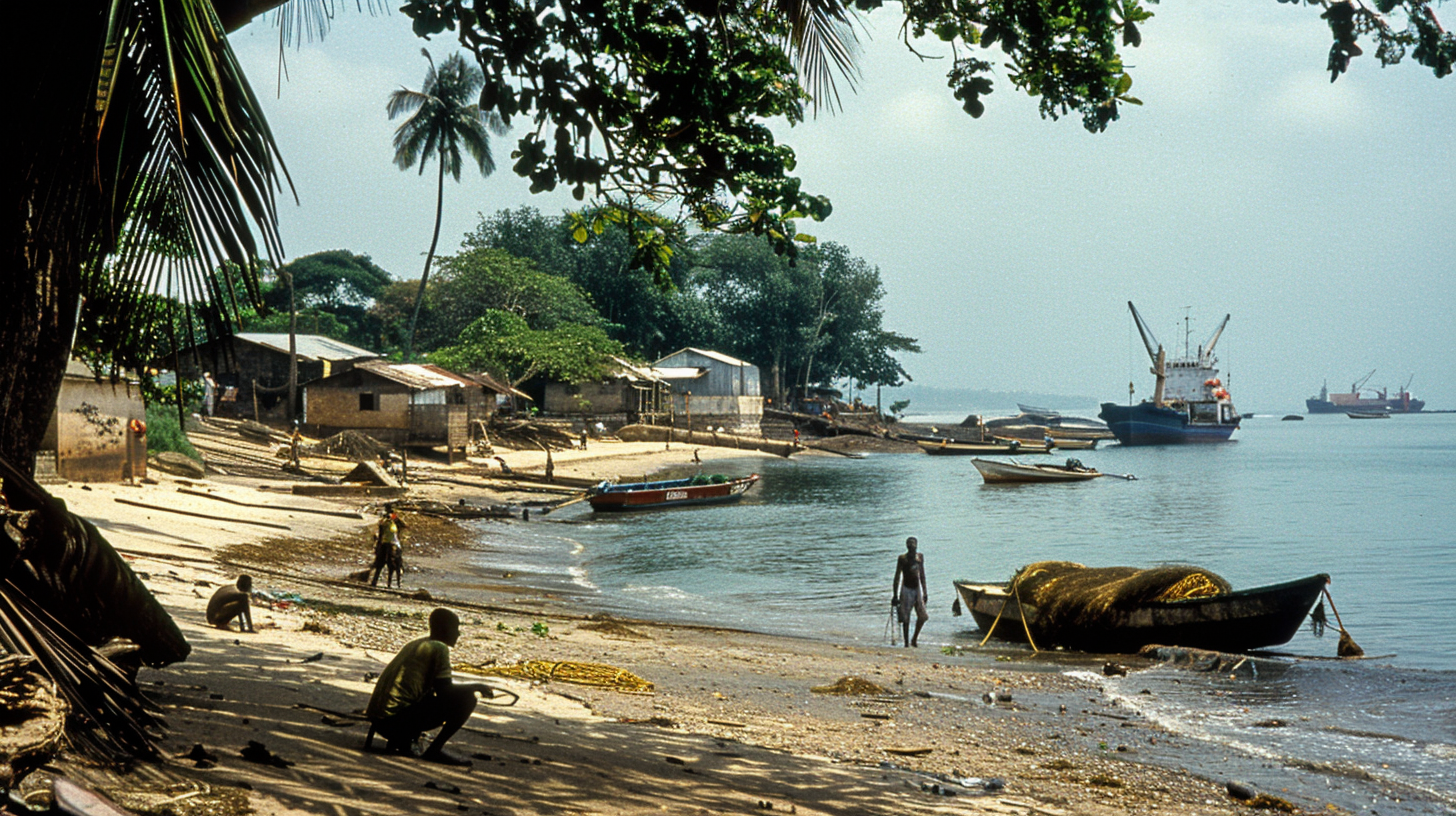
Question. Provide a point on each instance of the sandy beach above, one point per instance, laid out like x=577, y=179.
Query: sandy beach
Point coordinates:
x=732, y=724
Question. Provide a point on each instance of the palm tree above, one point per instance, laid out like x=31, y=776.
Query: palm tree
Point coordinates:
x=143, y=163
x=444, y=118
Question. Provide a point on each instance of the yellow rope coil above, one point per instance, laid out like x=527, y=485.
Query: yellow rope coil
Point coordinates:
x=1196, y=585
x=583, y=674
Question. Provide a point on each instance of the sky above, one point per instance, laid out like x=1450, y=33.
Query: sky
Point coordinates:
x=1321, y=216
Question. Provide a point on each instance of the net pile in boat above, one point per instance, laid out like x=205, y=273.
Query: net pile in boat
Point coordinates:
x=584, y=674
x=1069, y=595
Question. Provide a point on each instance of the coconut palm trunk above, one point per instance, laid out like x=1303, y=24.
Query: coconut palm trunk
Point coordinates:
x=429, y=258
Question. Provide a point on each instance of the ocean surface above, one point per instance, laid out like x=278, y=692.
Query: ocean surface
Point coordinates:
x=811, y=552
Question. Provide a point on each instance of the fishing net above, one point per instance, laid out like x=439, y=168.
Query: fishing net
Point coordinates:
x=1073, y=596
x=583, y=674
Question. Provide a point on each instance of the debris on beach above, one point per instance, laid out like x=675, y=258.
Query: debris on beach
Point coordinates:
x=851, y=686
x=259, y=753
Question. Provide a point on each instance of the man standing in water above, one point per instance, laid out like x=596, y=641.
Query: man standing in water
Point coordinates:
x=908, y=590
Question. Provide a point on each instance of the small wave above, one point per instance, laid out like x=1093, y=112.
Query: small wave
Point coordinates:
x=670, y=593
x=578, y=577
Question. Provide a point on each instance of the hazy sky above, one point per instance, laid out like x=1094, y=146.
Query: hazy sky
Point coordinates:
x=1319, y=215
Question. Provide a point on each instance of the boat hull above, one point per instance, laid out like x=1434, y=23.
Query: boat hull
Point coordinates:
x=949, y=447
x=1147, y=424
x=1236, y=622
x=1011, y=472
x=674, y=493
x=1396, y=406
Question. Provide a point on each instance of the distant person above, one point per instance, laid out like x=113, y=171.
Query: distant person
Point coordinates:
x=908, y=590
x=232, y=601
x=416, y=693
x=209, y=392
x=295, y=442
x=388, y=552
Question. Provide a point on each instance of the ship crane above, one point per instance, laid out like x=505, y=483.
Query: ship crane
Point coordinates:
x=1158, y=357
x=1355, y=389
x=1205, y=353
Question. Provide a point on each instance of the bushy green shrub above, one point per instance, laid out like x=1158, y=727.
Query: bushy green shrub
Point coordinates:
x=164, y=433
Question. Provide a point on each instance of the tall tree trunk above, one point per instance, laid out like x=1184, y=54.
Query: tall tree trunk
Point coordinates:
x=55, y=217
x=409, y=343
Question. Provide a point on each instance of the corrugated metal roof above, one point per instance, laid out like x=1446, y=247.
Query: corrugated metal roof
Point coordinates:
x=715, y=355
x=632, y=372
x=313, y=346
x=416, y=376
x=680, y=372
x=495, y=385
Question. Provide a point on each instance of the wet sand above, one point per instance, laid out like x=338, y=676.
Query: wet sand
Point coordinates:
x=733, y=723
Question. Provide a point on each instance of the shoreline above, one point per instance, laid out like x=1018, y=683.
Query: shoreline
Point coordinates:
x=733, y=723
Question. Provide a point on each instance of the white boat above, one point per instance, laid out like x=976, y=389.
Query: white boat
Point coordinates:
x=994, y=472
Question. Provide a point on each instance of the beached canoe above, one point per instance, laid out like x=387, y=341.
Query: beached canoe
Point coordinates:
x=1229, y=622
x=610, y=496
x=994, y=472
x=950, y=447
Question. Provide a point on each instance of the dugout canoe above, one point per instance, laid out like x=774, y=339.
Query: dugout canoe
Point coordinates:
x=950, y=447
x=1234, y=622
x=611, y=496
x=994, y=472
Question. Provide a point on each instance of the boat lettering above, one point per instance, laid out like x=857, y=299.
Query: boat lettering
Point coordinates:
x=675, y=495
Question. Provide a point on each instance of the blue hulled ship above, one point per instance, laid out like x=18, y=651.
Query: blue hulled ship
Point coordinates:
x=1189, y=404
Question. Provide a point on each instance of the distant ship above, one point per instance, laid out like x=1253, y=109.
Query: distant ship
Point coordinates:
x=1189, y=401
x=1327, y=403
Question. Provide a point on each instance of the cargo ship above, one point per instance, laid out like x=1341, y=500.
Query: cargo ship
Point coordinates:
x=1327, y=403
x=1189, y=404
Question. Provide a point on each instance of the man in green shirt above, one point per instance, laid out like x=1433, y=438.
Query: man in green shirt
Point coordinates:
x=416, y=693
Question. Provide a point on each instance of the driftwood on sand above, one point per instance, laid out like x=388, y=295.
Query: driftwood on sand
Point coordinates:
x=658, y=433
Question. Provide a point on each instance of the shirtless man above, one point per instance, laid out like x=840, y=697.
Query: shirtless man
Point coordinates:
x=230, y=602
x=908, y=590
x=415, y=693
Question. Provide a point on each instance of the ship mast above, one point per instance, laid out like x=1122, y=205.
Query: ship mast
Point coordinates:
x=1158, y=357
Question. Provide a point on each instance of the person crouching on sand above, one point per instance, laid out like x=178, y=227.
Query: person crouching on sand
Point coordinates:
x=416, y=693
x=232, y=601
x=908, y=590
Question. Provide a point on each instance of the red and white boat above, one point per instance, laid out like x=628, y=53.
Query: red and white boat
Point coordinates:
x=610, y=496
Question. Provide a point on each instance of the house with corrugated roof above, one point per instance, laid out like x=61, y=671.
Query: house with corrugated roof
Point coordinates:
x=403, y=404
x=630, y=393
x=712, y=389
x=251, y=369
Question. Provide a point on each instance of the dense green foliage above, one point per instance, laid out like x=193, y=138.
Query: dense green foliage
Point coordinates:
x=334, y=292
x=505, y=344
x=163, y=431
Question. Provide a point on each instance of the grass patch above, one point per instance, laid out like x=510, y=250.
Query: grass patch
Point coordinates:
x=165, y=434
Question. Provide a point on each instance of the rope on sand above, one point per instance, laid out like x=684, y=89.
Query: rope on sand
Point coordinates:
x=584, y=674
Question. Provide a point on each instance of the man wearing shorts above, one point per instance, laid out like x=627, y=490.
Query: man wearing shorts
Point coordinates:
x=908, y=590
x=416, y=693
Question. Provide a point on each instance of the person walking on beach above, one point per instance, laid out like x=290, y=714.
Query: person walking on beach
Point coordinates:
x=415, y=693
x=908, y=590
x=388, y=552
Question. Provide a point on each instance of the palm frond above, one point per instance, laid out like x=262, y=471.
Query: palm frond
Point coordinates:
x=822, y=39
x=188, y=163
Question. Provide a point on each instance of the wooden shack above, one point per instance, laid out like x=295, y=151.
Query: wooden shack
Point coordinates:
x=97, y=431
x=710, y=388
x=630, y=394
x=403, y=404
x=251, y=369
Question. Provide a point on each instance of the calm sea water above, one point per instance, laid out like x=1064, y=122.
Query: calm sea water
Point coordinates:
x=811, y=551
